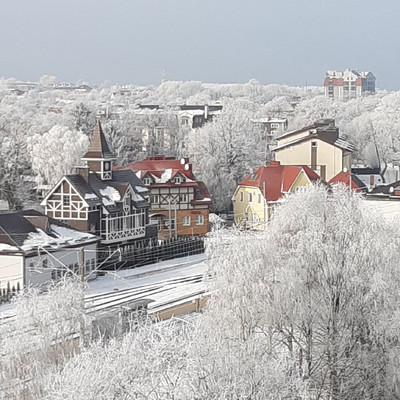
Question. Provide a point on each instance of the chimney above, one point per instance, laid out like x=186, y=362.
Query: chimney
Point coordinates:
x=83, y=172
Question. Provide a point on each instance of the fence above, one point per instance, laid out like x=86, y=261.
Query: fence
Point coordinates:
x=148, y=253
x=7, y=293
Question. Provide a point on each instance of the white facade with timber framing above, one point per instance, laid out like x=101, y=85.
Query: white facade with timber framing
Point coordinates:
x=112, y=204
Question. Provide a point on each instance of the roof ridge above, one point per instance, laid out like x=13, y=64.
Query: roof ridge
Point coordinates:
x=11, y=239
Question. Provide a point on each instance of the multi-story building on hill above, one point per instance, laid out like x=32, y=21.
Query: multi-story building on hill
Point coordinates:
x=179, y=203
x=349, y=84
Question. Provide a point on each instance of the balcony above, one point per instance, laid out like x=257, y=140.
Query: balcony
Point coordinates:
x=123, y=227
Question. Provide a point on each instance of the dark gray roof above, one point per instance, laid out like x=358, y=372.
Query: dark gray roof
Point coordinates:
x=365, y=171
x=127, y=176
x=15, y=228
x=386, y=189
x=83, y=189
x=91, y=191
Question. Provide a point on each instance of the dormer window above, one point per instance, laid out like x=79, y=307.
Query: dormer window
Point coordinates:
x=178, y=180
x=147, y=181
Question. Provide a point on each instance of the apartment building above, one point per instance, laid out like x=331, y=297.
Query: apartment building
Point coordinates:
x=348, y=84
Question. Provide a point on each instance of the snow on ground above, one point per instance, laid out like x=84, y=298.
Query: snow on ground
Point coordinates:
x=388, y=209
x=164, y=282
x=149, y=274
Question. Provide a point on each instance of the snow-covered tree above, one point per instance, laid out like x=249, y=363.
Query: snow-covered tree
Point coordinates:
x=43, y=335
x=56, y=152
x=320, y=286
x=226, y=150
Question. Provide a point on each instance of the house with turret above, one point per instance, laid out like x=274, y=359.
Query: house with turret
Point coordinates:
x=111, y=204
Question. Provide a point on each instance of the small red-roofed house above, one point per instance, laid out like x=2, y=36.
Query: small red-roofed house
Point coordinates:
x=348, y=180
x=179, y=202
x=257, y=195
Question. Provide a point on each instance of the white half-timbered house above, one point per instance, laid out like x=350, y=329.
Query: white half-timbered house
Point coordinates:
x=112, y=204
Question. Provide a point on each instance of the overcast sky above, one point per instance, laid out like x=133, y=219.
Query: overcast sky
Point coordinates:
x=129, y=41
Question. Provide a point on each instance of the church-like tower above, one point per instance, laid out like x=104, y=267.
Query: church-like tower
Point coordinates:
x=99, y=158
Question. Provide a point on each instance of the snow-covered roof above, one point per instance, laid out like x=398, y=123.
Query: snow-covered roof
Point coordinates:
x=27, y=231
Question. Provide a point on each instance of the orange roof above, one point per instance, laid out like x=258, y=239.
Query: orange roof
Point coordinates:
x=158, y=167
x=158, y=164
x=344, y=178
x=277, y=179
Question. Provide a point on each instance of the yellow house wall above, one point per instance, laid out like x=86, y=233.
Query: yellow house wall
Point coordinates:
x=300, y=154
x=254, y=209
x=258, y=212
x=293, y=137
x=301, y=180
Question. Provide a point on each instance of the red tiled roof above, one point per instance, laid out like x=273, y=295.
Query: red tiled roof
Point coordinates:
x=344, y=178
x=157, y=166
x=277, y=179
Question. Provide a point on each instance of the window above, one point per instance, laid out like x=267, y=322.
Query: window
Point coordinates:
x=313, y=144
x=183, y=198
x=186, y=220
x=155, y=199
x=31, y=266
x=241, y=196
x=146, y=181
x=185, y=121
x=127, y=204
x=45, y=263
x=66, y=200
x=167, y=224
x=178, y=180
x=250, y=197
x=274, y=125
x=200, y=219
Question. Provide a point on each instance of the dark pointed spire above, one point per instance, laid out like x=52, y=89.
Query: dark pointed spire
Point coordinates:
x=98, y=147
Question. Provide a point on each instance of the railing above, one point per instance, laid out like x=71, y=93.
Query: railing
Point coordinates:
x=127, y=227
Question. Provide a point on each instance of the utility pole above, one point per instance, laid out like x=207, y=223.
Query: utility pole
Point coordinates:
x=82, y=264
x=82, y=327
x=176, y=222
x=169, y=215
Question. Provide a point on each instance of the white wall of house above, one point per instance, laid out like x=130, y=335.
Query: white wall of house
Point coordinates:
x=11, y=270
x=42, y=268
